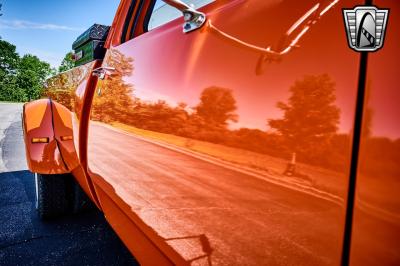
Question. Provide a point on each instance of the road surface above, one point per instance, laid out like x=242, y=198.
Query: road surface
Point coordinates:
x=189, y=202
x=197, y=207
x=25, y=239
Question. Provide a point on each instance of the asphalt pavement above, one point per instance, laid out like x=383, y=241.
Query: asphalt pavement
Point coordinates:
x=84, y=239
x=211, y=214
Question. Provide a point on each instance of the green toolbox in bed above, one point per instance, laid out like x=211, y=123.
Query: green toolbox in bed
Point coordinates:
x=89, y=46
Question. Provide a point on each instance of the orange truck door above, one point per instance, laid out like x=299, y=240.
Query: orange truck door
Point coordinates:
x=376, y=219
x=229, y=144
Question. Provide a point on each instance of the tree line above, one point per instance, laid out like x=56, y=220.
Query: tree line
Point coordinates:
x=308, y=126
x=22, y=78
x=309, y=115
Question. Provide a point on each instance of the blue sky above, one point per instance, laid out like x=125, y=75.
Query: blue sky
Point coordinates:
x=47, y=28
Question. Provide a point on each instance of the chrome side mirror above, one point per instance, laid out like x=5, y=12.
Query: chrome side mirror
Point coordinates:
x=193, y=18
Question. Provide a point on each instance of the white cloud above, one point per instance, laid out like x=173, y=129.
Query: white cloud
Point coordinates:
x=23, y=24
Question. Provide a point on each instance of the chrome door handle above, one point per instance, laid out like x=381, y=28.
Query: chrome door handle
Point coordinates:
x=102, y=72
x=193, y=18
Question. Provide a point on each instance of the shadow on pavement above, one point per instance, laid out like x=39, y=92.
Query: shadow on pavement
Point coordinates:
x=84, y=239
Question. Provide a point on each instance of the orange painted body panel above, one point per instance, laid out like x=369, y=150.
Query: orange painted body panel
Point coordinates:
x=43, y=158
x=136, y=232
x=63, y=126
x=376, y=233
x=215, y=187
x=231, y=145
x=63, y=133
x=82, y=97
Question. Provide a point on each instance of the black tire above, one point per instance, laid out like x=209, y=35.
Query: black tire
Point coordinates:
x=52, y=197
x=81, y=201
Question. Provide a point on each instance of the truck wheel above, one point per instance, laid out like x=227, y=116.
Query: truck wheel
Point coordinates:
x=81, y=201
x=51, y=195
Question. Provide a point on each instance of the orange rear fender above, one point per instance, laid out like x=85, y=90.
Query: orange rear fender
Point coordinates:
x=48, y=135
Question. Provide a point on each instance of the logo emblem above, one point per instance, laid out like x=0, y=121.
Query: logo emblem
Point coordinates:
x=365, y=27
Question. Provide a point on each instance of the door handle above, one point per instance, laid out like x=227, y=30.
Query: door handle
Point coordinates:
x=193, y=18
x=103, y=72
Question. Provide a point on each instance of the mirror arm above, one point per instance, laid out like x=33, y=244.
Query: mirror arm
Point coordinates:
x=193, y=18
x=178, y=5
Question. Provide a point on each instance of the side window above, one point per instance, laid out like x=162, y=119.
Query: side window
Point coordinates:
x=163, y=13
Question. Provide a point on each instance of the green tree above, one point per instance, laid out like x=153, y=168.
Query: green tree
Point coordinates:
x=9, y=58
x=67, y=63
x=21, y=79
x=310, y=115
x=9, y=61
x=31, y=75
x=217, y=106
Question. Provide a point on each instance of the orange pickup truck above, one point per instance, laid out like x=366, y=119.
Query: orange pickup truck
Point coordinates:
x=231, y=132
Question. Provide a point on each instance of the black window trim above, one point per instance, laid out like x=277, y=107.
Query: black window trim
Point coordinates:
x=128, y=19
x=135, y=22
x=148, y=16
